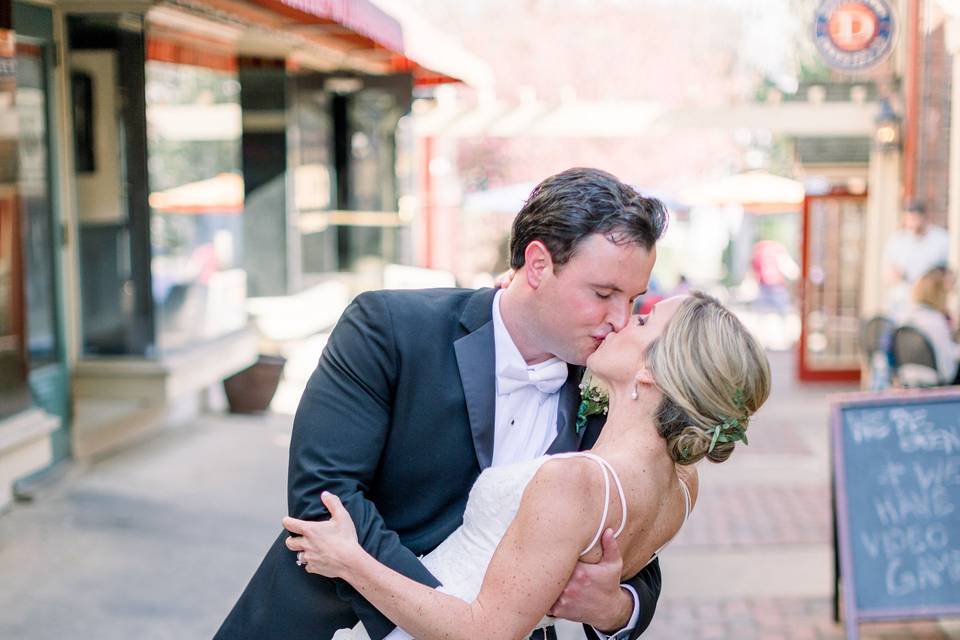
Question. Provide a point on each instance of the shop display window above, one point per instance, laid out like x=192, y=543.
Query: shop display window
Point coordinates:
x=36, y=192
x=14, y=393
x=196, y=200
x=106, y=69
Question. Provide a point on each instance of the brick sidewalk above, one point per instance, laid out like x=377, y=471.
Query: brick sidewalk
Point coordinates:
x=772, y=619
x=744, y=517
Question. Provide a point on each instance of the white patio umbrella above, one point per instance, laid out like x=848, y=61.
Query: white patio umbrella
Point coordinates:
x=755, y=191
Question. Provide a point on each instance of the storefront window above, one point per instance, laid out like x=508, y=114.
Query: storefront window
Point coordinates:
x=106, y=75
x=14, y=394
x=314, y=174
x=270, y=256
x=196, y=200
x=372, y=115
x=35, y=193
x=345, y=144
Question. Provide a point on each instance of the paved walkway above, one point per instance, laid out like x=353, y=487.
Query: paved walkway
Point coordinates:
x=153, y=543
x=158, y=541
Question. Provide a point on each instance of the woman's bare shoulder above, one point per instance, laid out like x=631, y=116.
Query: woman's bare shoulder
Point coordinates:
x=573, y=476
x=570, y=487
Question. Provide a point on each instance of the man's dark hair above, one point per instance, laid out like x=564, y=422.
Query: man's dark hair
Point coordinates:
x=917, y=207
x=566, y=208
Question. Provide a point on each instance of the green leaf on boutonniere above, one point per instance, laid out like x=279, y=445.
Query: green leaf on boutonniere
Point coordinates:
x=593, y=401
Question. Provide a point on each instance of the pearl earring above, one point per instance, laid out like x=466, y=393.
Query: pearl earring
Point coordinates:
x=635, y=394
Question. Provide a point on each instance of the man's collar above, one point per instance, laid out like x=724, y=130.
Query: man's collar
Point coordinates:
x=507, y=353
x=476, y=312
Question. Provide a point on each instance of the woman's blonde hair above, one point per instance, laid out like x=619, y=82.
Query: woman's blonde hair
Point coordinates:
x=930, y=289
x=713, y=374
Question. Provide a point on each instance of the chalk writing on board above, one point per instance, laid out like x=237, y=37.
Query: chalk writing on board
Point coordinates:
x=917, y=433
x=913, y=540
x=891, y=473
x=943, y=471
x=869, y=425
x=902, y=505
x=929, y=571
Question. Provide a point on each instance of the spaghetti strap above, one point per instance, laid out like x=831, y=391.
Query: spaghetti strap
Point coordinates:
x=687, y=505
x=687, y=508
x=608, y=471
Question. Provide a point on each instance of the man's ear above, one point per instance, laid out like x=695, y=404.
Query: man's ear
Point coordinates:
x=537, y=263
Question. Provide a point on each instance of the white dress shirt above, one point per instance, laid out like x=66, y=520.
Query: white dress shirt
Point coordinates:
x=525, y=418
x=914, y=255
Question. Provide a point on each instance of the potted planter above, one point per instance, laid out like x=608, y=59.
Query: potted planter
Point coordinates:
x=251, y=390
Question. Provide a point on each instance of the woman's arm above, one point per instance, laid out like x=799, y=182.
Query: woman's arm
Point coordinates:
x=557, y=518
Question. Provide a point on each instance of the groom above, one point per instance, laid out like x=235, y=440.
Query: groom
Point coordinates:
x=418, y=391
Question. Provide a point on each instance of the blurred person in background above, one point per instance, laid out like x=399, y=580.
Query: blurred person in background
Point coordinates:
x=655, y=293
x=682, y=287
x=773, y=268
x=928, y=313
x=911, y=251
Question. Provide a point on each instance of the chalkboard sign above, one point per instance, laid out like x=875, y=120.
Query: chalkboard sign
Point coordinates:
x=897, y=491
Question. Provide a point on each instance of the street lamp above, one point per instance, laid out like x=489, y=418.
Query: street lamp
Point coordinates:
x=886, y=135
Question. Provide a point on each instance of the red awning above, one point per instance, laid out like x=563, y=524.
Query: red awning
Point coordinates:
x=379, y=37
x=356, y=21
x=361, y=28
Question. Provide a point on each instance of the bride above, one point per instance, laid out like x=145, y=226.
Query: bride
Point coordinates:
x=682, y=382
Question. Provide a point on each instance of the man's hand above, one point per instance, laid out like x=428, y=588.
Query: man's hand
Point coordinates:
x=593, y=595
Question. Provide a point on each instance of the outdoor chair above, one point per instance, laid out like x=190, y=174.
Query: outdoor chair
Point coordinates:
x=914, y=361
x=875, y=336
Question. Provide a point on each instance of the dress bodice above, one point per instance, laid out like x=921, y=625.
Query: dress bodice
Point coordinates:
x=460, y=561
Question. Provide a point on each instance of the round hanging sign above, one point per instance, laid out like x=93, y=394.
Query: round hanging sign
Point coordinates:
x=854, y=35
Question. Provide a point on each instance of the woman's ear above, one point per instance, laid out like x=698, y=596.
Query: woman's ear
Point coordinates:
x=644, y=376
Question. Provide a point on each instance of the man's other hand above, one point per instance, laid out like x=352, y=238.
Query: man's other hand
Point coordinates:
x=593, y=595
x=503, y=280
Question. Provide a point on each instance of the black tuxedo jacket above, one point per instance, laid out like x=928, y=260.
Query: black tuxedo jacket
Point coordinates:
x=397, y=420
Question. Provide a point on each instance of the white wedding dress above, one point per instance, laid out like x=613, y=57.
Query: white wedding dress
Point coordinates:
x=460, y=562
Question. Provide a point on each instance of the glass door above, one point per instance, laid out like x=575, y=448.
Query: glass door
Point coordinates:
x=14, y=394
x=38, y=192
x=831, y=283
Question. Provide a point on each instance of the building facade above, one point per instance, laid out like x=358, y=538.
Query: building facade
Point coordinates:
x=162, y=163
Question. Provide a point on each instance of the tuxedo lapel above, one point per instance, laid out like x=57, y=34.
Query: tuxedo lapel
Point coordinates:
x=476, y=356
x=567, y=437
